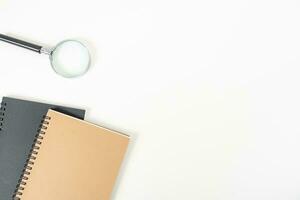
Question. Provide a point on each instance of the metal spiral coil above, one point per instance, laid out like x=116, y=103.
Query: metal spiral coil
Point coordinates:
x=2, y=114
x=31, y=158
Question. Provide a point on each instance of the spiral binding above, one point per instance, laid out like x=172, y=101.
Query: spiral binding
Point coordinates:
x=31, y=158
x=2, y=114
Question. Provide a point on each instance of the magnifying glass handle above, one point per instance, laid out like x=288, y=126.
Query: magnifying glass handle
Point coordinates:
x=21, y=43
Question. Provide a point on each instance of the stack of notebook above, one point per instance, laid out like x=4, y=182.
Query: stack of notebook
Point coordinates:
x=48, y=152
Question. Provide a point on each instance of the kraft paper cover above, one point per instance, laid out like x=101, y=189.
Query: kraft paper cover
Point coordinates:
x=76, y=161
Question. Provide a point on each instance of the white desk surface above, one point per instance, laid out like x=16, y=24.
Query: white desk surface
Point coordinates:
x=208, y=90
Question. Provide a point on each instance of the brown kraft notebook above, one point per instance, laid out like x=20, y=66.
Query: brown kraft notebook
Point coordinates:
x=72, y=160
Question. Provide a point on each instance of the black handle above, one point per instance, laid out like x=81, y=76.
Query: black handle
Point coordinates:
x=21, y=43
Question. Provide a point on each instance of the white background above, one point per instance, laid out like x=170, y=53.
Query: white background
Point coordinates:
x=208, y=90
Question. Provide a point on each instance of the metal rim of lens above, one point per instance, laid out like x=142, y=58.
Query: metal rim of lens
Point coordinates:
x=60, y=44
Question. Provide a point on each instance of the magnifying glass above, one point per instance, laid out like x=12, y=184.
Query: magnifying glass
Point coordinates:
x=69, y=58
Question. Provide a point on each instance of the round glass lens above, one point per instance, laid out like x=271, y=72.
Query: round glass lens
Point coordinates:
x=70, y=58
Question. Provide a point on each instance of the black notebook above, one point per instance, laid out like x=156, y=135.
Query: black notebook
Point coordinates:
x=20, y=121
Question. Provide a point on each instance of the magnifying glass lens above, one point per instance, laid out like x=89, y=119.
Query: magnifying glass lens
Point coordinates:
x=70, y=58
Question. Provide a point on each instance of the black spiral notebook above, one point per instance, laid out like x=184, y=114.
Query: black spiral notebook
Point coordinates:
x=20, y=121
